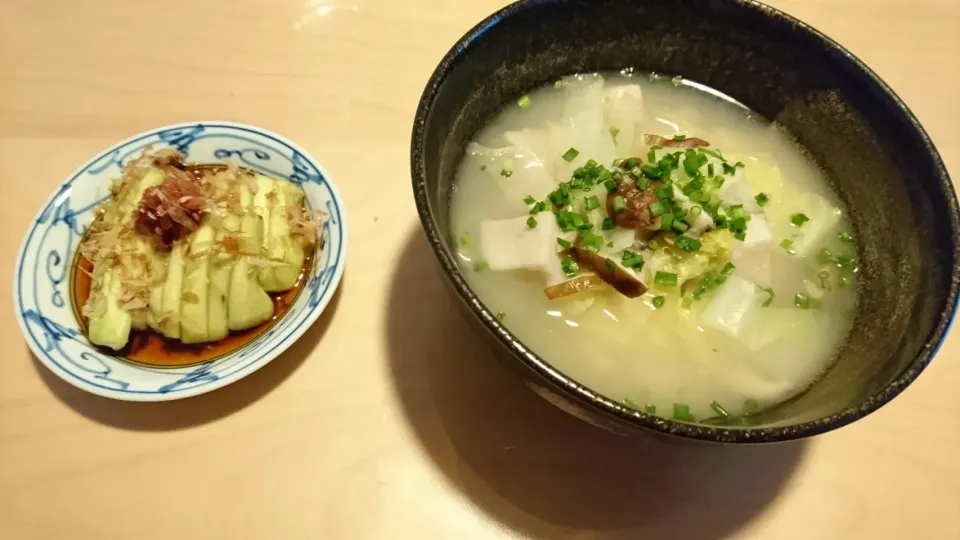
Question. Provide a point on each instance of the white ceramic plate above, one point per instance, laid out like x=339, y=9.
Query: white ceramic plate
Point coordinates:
x=41, y=282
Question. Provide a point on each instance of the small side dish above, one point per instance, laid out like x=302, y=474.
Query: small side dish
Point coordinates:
x=193, y=254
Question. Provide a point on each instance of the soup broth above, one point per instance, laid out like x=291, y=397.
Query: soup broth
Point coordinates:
x=713, y=280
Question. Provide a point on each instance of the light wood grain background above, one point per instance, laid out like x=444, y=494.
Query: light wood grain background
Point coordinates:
x=389, y=419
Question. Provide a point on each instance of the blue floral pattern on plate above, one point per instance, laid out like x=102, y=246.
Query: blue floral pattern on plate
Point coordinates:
x=41, y=289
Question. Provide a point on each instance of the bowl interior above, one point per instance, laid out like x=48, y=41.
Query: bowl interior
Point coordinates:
x=42, y=282
x=876, y=156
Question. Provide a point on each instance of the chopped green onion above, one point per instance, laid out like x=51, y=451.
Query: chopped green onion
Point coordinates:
x=687, y=243
x=631, y=163
x=652, y=154
x=769, y=300
x=715, y=405
x=658, y=208
x=608, y=224
x=799, y=219
x=529, y=199
x=713, y=153
x=619, y=204
x=710, y=171
x=695, y=211
x=750, y=406
x=801, y=301
x=666, y=222
x=667, y=279
x=540, y=206
x=506, y=173
x=483, y=167
x=592, y=202
x=651, y=172
x=570, y=154
x=569, y=267
x=611, y=267
x=786, y=244
x=728, y=169
x=610, y=184
x=845, y=237
x=659, y=301
x=531, y=222
x=679, y=137
x=613, y=134
x=727, y=269
x=682, y=412
x=664, y=193
x=592, y=242
x=762, y=199
x=739, y=164
x=500, y=315
x=680, y=226
x=609, y=244
x=641, y=183
x=480, y=266
x=524, y=102
x=650, y=409
x=692, y=187
x=686, y=302
x=565, y=244
x=466, y=240
x=654, y=244
x=632, y=260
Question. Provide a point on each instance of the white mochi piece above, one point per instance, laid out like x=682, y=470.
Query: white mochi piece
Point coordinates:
x=511, y=244
x=582, y=128
x=623, y=108
x=516, y=171
x=732, y=304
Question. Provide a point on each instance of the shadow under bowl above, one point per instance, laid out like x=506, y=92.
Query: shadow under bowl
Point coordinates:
x=875, y=154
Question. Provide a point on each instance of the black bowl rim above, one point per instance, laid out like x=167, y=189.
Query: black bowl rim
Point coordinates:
x=595, y=400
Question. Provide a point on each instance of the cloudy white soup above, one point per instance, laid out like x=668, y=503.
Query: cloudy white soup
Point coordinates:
x=657, y=242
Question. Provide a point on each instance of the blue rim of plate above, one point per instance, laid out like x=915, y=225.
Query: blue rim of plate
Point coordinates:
x=46, y=337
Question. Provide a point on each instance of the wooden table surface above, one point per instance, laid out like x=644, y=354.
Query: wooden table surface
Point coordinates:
x=389, y=419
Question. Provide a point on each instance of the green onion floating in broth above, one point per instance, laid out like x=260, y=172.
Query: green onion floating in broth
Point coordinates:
x=592, y=202
x=769, y=300
x=715, y=405
x=681, y=412
x=666, y=279
x=687, y=243
x=632, y=260
x=570, y=154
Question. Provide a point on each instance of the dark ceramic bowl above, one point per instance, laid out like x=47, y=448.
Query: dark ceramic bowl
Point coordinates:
x=877, y=156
